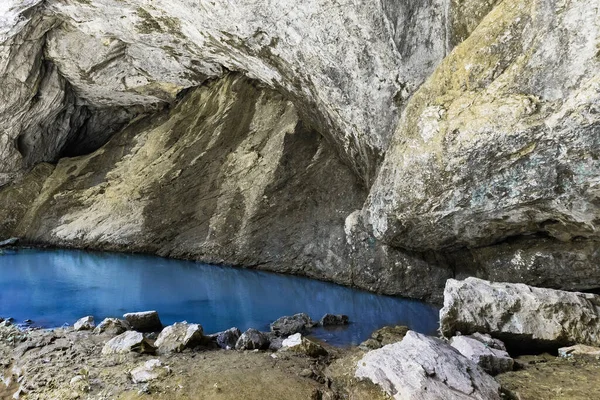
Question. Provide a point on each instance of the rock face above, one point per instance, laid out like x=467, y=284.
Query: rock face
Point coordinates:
x=520, y=315
x=493, y=361
x=501, y=143
x=177, y=337
x=421, y=367
x=469, y=127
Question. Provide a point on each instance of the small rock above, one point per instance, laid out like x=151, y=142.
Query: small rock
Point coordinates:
x=252, y=339
x=177, y=337
x=76, y=379
x=390, y=334
x=334, y=320
x=145, y=321
x=422, y=367
x=228, y=339
x=306, y=373
x=300, y=344
x=9, y=242
x=493, y=361
x=370, y=344
x=149, y=371
x=128, y=341
x=579, y=350
x=276, y=343
x=489, y=341
x=286, y=326
x=85, y=324
x=112, y=326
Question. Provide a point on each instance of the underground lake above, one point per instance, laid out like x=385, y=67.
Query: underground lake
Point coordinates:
x=55, y=287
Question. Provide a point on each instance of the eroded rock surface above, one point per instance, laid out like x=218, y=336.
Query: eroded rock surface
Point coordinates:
x=502, y=140
x=422, y=367
x=523, y=316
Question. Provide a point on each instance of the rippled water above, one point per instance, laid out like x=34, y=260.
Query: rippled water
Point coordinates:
x=53, y=287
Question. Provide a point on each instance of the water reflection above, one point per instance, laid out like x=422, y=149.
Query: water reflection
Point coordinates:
x=53, y=287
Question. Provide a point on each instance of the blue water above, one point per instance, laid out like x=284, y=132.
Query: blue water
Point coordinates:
x=53, y=287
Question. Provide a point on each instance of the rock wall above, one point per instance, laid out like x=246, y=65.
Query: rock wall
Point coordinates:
x=251, y=133
x=230, y=175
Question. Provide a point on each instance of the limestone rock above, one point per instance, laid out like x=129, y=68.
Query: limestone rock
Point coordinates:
x=252, y=339
x=129, y=341
x=421, y=367
x=149, y=371
x=299, y=344
x=145, y=321
x=502, y=141
x=179, y=336
x=579, y=351
x=85, y=324
x=289, y=325
x=520, y=315
x=112, y=326
x=493, y=361
x=334, y=320
x=228, y=339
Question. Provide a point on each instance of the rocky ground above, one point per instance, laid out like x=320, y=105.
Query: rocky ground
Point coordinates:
x=69, y=364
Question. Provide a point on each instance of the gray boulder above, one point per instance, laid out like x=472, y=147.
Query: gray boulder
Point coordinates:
x=334, y=320
x=288, y=325
x=112, y=326
x=145, y=321
x=228, y=339
x=520, y=315
x=85, y=324
x=493, y=361
x=177, y=337
x=422, y=367
x=252, y=339
x=129, y=341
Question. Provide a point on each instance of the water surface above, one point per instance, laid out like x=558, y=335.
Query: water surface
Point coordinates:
x=54, y=287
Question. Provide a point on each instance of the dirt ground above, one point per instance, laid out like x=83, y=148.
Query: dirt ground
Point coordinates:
x=69, y=365
x=547, y=377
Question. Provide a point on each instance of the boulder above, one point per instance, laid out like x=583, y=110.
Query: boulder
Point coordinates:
x=177, y=337
x=252, y=339
x=493, y=361
x=129, y=341
x=422, y=367
x=112, y=326
x=149, y=371
x=299, y=344
x=520, y=315
x=297, y=323
x=579, y=351
x=384, y=336
x=145, y=321
x=228, y=339
x=334, y=320
x=85, y=324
